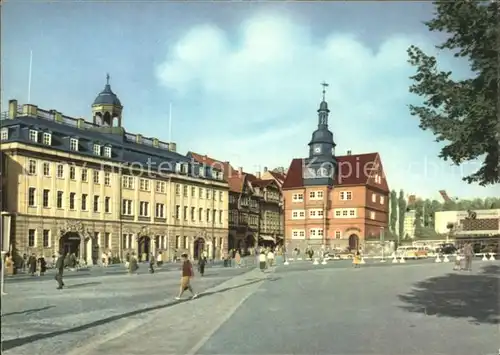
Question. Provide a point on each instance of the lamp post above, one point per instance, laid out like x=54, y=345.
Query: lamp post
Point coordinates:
x=2, y=280
x=382, y=243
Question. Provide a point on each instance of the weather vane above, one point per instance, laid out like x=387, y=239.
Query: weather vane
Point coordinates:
x=325, y=85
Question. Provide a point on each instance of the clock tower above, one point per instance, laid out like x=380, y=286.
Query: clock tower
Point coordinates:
x=321, y=165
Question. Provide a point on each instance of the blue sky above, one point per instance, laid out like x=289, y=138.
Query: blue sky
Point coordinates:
x=243, y=78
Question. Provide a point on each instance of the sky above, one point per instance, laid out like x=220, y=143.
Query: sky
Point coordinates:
x=243, y=78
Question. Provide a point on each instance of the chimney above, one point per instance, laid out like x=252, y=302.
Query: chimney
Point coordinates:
x=240, y=170
x=12, y=109
x=258, y=174
x=265, y=169
x=349, y=152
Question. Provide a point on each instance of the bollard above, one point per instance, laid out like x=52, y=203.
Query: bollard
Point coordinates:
x=286, y=262
x=446, y=260
x=438, y=260
x=323, y=262
x=315, y=261
x=394, y=260
x=492, y=257
x=362, y=261
x=402, y=260
x=484, y=257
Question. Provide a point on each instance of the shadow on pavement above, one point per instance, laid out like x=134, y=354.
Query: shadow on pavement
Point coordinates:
x=82, y=285
x=28, y=311
x=14, y=343
x=458, y=295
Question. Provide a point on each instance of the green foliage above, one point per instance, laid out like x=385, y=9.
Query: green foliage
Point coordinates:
x=394, y=210
x=463, y=113
x=402, y=211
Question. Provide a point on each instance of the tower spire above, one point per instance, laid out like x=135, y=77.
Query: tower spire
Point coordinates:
x=325, y=85
x=108, y=77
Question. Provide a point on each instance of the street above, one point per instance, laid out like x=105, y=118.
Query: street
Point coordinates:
x=412, y=308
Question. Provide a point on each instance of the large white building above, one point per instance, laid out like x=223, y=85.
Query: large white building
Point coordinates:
x=486, y=222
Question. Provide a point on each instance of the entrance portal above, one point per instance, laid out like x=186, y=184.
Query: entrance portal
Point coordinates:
x=69, y=243
x=198, y=247
x=353, y=242
x=143, y=248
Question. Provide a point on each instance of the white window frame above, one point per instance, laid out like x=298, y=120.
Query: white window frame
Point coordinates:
x=98, y=200
x=73, y=144
x=144, y=209
x=127, y=207
x=316, y=195
x=60, y=171
x=160, y=187
x=144, y=185
x=298, y=197
x=33, y=135
x=298, y=214
x=382, y=200
x=316, y=233
x=107, y=152
x=345, y=195
x=47, y=138
x=298, y=234
x=32, y=167
x=372, y=215
x=4, y=134
x=128, y=182
x=46, y=169
x=49, y=238
x=160, y=210
x=34, y=238
x=316, y=213
x=338, y=234
x=374, y=197
x=312, y=195
x=97, y=149
x=107, y=178
x=96, y=177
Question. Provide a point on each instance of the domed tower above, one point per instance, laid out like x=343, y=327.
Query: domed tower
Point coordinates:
x=107, y=107
x=321, y=165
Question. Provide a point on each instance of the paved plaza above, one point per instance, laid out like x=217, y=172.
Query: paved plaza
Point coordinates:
x=412, y=308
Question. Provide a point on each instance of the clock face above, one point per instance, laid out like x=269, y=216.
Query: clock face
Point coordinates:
x=317, y=149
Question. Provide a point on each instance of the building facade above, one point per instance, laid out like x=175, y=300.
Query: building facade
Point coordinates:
x=255, y=206
x=477, y=223
x=334, y=201
x=91, y=187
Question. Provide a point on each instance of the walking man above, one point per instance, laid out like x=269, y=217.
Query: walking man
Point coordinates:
x=201, y=264
x=468, y=254
x=59, y=271
x=187, y=274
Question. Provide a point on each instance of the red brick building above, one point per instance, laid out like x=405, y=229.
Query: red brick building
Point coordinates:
x=336, y=201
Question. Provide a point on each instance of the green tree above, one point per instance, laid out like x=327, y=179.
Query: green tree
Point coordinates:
x=394, y=211
x=402, y=211
x=463, y=113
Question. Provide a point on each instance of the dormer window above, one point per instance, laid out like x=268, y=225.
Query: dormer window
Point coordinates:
x=177, y=167
x=47, y=138
x=184, y=168
x=73, y=144
x=202, y=171
x=107, y=152
x=33, y=135
x=4, y=134
x=97, y=149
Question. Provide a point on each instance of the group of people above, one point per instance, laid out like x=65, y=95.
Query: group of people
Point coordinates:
x=465, y=255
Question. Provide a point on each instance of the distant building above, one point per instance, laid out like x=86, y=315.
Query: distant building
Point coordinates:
x=334, y=201
x=474, y=224
x=409, y=224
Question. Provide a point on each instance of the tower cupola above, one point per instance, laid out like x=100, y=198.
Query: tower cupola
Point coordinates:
x=107, y=107
x=321, y=163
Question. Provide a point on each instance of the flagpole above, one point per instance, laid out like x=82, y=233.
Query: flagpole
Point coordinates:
x=170, y=123
x=29, y=76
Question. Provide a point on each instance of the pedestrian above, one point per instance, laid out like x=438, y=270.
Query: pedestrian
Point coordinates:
x=186, y=276
x=201, y=264
x=133, y=265
x=468, y=254
x=270, y=258
x=262, y=261
x=32, y=264
x=152, y=264
x=237, y=259
x=43, y=265
x=59, y=271
x=356, y=260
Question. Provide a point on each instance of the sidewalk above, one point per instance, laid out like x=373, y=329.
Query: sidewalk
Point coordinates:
x=182, y=328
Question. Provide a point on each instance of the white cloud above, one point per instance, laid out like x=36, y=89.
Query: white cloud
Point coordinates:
x=260, y=90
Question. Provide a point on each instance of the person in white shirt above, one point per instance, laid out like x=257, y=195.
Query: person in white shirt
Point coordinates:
x=270, y=258
x=262, y=261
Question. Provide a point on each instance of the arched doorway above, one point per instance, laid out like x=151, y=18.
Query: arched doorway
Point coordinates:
x=69, y=243
x=198, y=247
x=144, y=248
x=249, y=243
x=353, y=242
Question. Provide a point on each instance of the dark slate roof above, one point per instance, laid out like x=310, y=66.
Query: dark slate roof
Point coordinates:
x=351, y=170
x=107, y=97
x=123, y=150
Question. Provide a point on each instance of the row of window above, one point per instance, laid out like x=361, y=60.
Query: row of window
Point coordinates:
x=319, y=195
x=47, y=239
x=161, y=242
x=381, y=199
x=60, y=172
x=338, y=213
x=236, y=217
x=314, y=233
x=70, y=203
